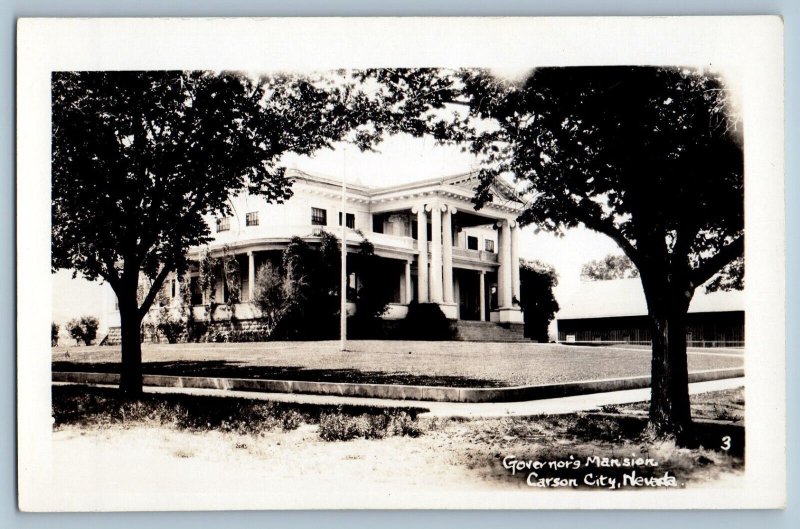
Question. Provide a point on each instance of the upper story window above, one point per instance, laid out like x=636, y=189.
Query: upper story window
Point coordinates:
x=489, y=245
x=251, y=219
x=319, y=217
x=224, y=224
x=472, y=242
x=350, y=220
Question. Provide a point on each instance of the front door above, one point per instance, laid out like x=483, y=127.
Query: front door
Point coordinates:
x=469, y=297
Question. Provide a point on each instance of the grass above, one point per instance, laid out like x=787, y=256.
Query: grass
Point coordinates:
x=455, y=364
x=726, y=405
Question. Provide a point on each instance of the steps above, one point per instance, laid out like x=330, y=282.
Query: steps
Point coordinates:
x=114, y=337
x=486, y=331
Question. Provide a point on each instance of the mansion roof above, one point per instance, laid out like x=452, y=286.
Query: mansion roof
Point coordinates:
x=461, y=185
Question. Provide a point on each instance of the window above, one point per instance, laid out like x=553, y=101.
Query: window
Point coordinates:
x=489, y=245
x=224, y=224
x=319, y=217
x=472, y=242
x=251, y=219
x=350, y=219
x=197, y=292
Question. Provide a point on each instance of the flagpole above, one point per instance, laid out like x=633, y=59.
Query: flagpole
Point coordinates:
x=343, y=286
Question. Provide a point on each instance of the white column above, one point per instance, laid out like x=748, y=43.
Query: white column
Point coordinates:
x=482, y=293
x=176, y=298
x=407, y=286
x=504, y=259
x=436, y=254
x=447, y=257
x=515, y=260
x=251, y=276
x=422, y=259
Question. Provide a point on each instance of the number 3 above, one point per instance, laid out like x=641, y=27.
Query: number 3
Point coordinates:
x=726, y=443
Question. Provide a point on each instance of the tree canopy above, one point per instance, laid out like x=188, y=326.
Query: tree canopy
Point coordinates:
x=649, y=156
x=139, y=158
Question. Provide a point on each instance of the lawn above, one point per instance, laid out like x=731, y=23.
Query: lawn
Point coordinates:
x=455, y=364
x=287, y=451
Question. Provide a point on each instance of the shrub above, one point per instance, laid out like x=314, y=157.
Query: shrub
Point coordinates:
x=339, y=426
x=426, y=321
x=248, y=336
x=172, y=329
x=291, y=420
x=75, y=330
x=54, y=330
x=89, y=324
x=272, y=294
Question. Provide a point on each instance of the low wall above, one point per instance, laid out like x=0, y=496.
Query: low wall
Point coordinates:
x=397, y=392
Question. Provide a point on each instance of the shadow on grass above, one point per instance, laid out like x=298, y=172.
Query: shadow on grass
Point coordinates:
x=104, y=407
x=226, y=369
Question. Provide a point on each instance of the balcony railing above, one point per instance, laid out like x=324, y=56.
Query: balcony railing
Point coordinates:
x=475, y=255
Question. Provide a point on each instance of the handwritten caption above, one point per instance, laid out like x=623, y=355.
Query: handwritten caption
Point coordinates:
x=591, y=471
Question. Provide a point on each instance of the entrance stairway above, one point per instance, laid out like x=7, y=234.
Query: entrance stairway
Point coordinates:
x=486, y=331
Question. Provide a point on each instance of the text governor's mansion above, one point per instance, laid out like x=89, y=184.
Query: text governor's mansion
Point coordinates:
x=433, y=246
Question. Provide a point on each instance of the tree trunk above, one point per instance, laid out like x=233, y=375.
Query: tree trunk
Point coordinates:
x=670, y=414
x=130, y=383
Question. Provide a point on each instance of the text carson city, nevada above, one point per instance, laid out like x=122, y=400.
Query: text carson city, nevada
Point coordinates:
x=589, y=479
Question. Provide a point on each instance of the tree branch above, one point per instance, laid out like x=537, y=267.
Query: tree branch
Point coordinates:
x=607, y=228
x=154, y=288
x=714, y=264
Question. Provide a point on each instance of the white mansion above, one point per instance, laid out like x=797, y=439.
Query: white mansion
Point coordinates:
x=434, y=247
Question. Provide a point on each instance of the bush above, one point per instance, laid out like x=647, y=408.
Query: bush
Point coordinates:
x=54, y=330
x=291, y=420
x=342, y=427
x=172, y=329
x=248, y=336
x=89, y=324
x=426, y=321
x=75, y=330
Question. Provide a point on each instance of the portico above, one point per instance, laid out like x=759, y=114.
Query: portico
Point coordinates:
x=435, y=263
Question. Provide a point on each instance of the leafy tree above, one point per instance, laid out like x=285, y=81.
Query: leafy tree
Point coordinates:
x=374, y=293
x=231, y=274
x=609, y=267
x=54, y=330
x=89, y=325
x=272, y=295
x=651, y=157
x=75, y=330
x=313, y=273
x=83, y=329
x=731, y=277
x=139, y=159
x=539, y=305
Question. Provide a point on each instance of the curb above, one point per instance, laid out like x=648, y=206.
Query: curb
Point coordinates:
x=397, y=392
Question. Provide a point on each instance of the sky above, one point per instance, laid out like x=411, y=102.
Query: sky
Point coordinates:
x=398, y=160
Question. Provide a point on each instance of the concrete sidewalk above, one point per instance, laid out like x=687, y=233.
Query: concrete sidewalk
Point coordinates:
x=460, y=409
